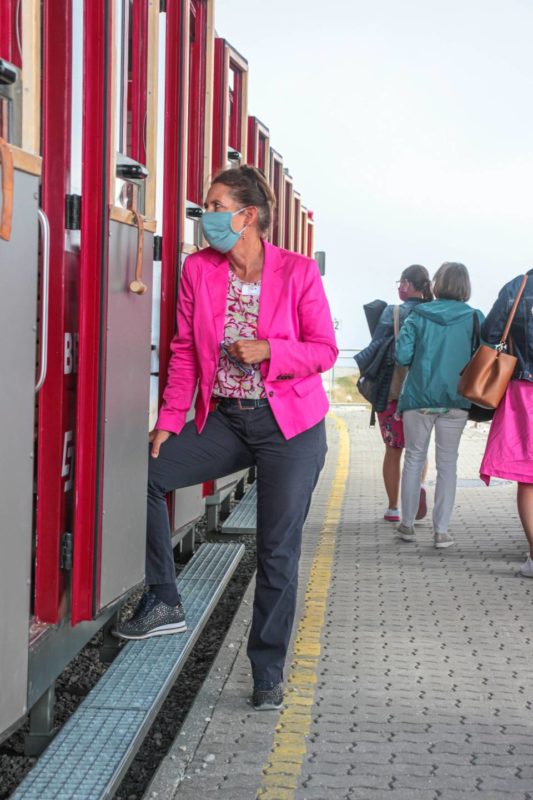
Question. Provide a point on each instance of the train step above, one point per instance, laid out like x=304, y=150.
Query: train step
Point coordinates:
x=243, y=518
x=90, y=755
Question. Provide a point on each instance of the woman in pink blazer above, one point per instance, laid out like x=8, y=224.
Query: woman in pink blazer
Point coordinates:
x=254, y=332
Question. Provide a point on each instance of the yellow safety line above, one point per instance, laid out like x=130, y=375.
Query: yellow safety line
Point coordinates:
x=282, y=771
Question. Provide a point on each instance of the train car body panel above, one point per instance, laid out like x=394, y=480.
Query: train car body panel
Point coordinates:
x=18, y=317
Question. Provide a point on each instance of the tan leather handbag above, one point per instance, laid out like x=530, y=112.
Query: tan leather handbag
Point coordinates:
x=485, y=377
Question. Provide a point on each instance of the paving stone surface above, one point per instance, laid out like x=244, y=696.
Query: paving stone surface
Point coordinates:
x=424, y=684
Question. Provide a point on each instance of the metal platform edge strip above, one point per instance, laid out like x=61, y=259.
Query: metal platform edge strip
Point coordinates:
x=243, y=518
x=63, y=760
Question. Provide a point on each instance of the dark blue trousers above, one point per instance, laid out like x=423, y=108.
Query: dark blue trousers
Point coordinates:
x=287, y=472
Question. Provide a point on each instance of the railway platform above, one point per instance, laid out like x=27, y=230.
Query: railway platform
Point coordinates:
x=410, y=669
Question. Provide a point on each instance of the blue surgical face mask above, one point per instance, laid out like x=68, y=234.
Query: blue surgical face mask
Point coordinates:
x=217, y=229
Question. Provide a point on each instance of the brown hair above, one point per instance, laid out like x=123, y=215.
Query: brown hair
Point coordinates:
x=249, y=187
x=418, y=277
x=452, y=282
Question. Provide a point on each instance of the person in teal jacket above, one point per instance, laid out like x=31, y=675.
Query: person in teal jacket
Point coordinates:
x=435, y=342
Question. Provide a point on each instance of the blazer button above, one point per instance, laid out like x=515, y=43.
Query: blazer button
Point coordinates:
x=271, y=394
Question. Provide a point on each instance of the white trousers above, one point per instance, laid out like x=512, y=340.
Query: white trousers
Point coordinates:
x=417, y=429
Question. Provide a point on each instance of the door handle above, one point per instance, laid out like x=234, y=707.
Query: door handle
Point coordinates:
x=45, y=232
x=6, y=166
x=137, y=286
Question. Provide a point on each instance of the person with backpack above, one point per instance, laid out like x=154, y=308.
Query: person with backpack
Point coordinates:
x=413, y=289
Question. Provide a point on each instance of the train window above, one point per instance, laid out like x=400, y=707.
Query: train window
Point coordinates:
x=197, y=89
x=297, y=222
x=276, y=173
x=236, y=86
x=262, y=152
x=310, y=234
x=11, y=32
x=258, y=152
x=20, y=43
x=303, y=232
x=288, y=222
x=130, y=90
x=10, y=103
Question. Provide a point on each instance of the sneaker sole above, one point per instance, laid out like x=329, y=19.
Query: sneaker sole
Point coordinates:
x=164, y=630
x=268, y=707
x=392, y=519
x=406, y=537
x=444, y=545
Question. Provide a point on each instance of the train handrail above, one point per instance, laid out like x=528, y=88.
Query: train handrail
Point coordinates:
x=6, y=166
x=45, y=231
x=137, y=286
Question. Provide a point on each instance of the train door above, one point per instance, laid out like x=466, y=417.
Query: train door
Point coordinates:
x=61, y=188
x=117, y=226
x=187, y=505
x=20, y=170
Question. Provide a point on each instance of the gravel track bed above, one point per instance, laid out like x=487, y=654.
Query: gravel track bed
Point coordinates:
x=86, y=669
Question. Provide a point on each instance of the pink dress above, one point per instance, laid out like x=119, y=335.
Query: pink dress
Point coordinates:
x=509, y=450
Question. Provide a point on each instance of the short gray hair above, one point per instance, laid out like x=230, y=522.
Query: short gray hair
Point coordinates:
x=452, y=282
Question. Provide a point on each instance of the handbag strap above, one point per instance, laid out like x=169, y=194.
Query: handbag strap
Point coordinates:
x=512, y=312
x=476, y=333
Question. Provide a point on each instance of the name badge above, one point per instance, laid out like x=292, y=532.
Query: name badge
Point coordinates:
x=251, y=289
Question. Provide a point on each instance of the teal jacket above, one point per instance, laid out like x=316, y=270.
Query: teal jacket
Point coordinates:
x=435, y=342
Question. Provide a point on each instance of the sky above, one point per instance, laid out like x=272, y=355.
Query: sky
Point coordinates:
x=407, y=127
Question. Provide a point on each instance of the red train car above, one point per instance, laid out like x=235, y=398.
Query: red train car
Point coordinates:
x=113, y=116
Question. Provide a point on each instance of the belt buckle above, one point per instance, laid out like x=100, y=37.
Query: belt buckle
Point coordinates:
x=241, y=407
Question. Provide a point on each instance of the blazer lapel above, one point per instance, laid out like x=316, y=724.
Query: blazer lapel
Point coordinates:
x=271, y=289
x=217, y=279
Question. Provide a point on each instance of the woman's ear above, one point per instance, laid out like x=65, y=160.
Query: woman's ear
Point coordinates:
x=251, y=215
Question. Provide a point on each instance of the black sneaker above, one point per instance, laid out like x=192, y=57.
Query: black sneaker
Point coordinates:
x=268, y=699
x=152, y=617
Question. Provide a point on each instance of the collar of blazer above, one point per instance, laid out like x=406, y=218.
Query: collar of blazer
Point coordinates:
x=271, y=287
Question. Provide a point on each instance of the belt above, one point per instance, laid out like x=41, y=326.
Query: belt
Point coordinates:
x=241, y=403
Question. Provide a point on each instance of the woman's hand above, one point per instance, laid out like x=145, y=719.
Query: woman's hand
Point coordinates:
x=157, y=438
x=249, y=351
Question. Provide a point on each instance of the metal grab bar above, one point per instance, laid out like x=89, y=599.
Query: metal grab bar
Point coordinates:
x=45, y=231
x=137, y=286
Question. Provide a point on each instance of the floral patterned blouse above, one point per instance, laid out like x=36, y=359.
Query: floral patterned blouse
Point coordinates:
x=242, y=309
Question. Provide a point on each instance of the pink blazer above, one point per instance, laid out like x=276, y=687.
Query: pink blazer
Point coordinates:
x=293, y=315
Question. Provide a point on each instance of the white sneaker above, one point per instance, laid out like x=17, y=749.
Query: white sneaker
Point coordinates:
x=443, y=540
x=527, y=568
x=392, y=515
x=405, y=532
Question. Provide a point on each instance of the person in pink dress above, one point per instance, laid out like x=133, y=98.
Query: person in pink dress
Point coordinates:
x=509, y=450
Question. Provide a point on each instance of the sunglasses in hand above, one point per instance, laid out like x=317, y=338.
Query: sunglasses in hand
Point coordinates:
x=244, y=368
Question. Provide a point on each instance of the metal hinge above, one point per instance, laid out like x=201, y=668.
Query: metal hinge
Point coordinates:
x=65, y=555
x=73, y=212
x=158, y=248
